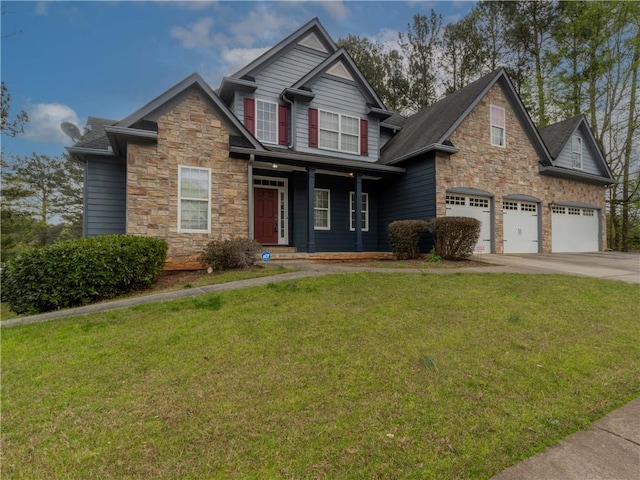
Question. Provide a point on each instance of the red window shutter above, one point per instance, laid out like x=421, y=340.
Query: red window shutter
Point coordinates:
x=313, y=127
x=283, y=125
x=250, y=114
x=364, y=137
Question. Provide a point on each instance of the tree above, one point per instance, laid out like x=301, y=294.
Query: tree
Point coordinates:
x=9, y=127
x=420, y=46
x=43, y=189
x=463, y=53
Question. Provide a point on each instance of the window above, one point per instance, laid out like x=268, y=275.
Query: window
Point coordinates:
x=556, y=209
x=321, y=209
x=576, y=149
x=528, y=207
x=478, y=202
x=573, y=211
x=364, y=212
x=506, y=205
x=267, y=121
x=497, y=126
x=194, y=209
x=339, y=132
x=455, y=200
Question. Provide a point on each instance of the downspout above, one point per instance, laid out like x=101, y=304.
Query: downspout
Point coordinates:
x=252, y=157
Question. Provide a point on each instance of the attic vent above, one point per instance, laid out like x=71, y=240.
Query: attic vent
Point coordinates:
x=312, y=41
x=339, y=70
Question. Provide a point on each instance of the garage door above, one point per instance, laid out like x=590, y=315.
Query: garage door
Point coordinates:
x=520, y=224
x=474, y=207
x=574, y=229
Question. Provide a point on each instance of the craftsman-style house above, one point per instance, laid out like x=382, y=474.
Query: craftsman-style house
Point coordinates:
x=297, y=149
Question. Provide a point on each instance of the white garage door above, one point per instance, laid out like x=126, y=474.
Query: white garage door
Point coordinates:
x=574, y=229
x=520, y=223
x=474, y=207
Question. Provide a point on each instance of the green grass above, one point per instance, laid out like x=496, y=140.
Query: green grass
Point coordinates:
x=5, y=312
x=346, y=376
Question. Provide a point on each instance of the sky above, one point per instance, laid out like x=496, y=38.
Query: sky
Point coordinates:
x=65, y=61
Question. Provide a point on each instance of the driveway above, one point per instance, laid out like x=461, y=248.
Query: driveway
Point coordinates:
x=620, y=266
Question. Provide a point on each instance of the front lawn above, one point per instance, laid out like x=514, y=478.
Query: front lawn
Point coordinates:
x=345, y=376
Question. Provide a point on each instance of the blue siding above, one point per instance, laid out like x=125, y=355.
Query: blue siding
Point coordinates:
x=339, y=96
x=565, y=159
x=411, y=196
x=105, y=197
x=339, y=238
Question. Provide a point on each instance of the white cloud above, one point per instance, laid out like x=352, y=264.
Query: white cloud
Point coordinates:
x=261, y=25
x=41, y=8
x=236, y=58
x=44, y=123
x=336, y=9
x=190, y=5
x=198, y=35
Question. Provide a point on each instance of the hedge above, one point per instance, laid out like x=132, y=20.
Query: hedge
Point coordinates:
x=81, y=271
x=404, y=237
x=456, y=237
x=230, y=254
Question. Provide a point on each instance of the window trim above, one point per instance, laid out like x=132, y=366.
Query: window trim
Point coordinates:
x=574, y=153
x=276, y=124
x=503, y=127
x=181, y=198
x=352, y=198
x=328, y=209
x=339, y=132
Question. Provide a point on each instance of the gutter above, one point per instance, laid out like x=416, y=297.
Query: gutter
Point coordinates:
x=439, y=147
x=574, y=175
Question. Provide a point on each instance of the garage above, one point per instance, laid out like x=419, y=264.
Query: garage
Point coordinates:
x=574, y=229
x=520, y=221
x=473, y=206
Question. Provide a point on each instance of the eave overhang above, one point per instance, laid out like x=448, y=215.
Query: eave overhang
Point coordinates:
x=560, y=172
x=298, y=94
x=379, y=112
x=434, y=147
x=80, y=152
x=229, y=85
x=317, y=161
x=119, y=136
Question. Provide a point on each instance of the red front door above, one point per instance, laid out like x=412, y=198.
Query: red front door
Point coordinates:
x=265, y=215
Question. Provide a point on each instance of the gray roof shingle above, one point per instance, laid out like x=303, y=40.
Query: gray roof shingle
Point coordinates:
x=555, y=136
x=94, y=135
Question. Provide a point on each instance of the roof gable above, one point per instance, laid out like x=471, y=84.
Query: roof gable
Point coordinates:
x=341, y=65
x=158, y=105
x=311, y=35
x=557, y=135
x=433, y=125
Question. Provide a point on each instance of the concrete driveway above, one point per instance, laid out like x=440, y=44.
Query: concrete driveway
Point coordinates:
x=620, y=266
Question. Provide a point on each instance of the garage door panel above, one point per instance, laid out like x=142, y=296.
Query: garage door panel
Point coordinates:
x=520, y=227
x=473, y=207
x=574, y=229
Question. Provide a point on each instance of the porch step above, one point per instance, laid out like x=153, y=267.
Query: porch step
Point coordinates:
x=291, y=253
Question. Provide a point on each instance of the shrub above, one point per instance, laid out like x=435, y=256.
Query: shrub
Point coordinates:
x=404, y=237
x=230, y=254
x=77, y=272
x=455, y=236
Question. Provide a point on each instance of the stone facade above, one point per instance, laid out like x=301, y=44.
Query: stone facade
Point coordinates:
x=508, y=170
x=190, y=134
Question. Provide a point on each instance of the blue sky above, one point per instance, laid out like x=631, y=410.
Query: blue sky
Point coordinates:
x=65, y=61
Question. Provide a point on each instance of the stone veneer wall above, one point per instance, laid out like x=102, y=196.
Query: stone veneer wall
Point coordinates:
x=190, y=134
x=508, y=170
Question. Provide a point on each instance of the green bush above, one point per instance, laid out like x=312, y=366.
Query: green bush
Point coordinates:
x=455, y=236
x=404, y=237
x=77, y=272
x=230, y=254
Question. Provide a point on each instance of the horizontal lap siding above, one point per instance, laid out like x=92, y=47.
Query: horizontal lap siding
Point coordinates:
x=411, y=196
x=105, y=198
x=338, y=96
x=565, y=159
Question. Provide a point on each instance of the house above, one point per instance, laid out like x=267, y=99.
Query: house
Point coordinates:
x=297, y=149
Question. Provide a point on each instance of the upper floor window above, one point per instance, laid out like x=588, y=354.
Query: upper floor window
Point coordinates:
x=364, y=211
x=266, y=121
x=339, y=132
x=194, y=199
x=497, y=126
x=576, y=149
x=322, y=209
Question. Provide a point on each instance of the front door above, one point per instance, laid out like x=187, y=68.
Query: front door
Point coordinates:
x=265, y=217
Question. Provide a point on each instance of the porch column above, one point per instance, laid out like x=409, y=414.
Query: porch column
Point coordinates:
x=358, y=212
x=311, y=233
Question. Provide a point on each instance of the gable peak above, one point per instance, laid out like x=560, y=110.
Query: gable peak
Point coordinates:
x=312, y=41
x=340, y=70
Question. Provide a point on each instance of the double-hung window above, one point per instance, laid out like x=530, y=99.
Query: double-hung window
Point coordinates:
x=497, y=126
x=194, y=199
x=576, y=149
x=339, y=132
x=267, y=121
x=364, y=212
x=322, y=209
